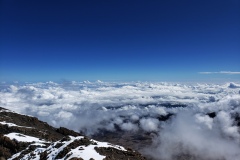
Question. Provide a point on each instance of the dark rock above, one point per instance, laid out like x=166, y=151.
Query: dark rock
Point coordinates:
x=236, y=117
x=165, y=117
x=212, y=114
x=9, y=147
x=74, y=158
x=67, y=132
x=112, y=153
x=58, y=145
x=43, y=155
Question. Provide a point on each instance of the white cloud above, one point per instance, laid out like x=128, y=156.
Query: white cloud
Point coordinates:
x=220, y=72
x=186, y=136
x=204, y=119
x=227, y=127
x=129, y=127
x=149, y=124
x=89, y=107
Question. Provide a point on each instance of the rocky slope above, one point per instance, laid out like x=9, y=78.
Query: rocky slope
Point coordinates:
x=27, y=138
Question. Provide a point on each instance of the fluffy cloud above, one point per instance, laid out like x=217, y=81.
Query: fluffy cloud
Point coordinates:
x=149, y=124
x=139, y=107
x=187, y=137
x=129, y=127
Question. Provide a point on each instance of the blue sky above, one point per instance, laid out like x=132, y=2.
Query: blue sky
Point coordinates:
x=119, y=40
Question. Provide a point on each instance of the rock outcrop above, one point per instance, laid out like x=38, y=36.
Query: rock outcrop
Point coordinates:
x=25, y=137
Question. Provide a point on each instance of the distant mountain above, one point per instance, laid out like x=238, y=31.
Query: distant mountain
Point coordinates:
x=27, y=138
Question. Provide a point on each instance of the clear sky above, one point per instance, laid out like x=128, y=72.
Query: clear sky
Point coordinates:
x=163, y=40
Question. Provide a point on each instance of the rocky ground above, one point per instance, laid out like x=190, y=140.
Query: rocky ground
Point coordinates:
x=24, y=137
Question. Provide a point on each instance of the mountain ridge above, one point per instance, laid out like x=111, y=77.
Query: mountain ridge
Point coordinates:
x=25, y=137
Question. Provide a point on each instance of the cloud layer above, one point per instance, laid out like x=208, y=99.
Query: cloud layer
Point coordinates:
x=132, y=107
x=221, y=72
